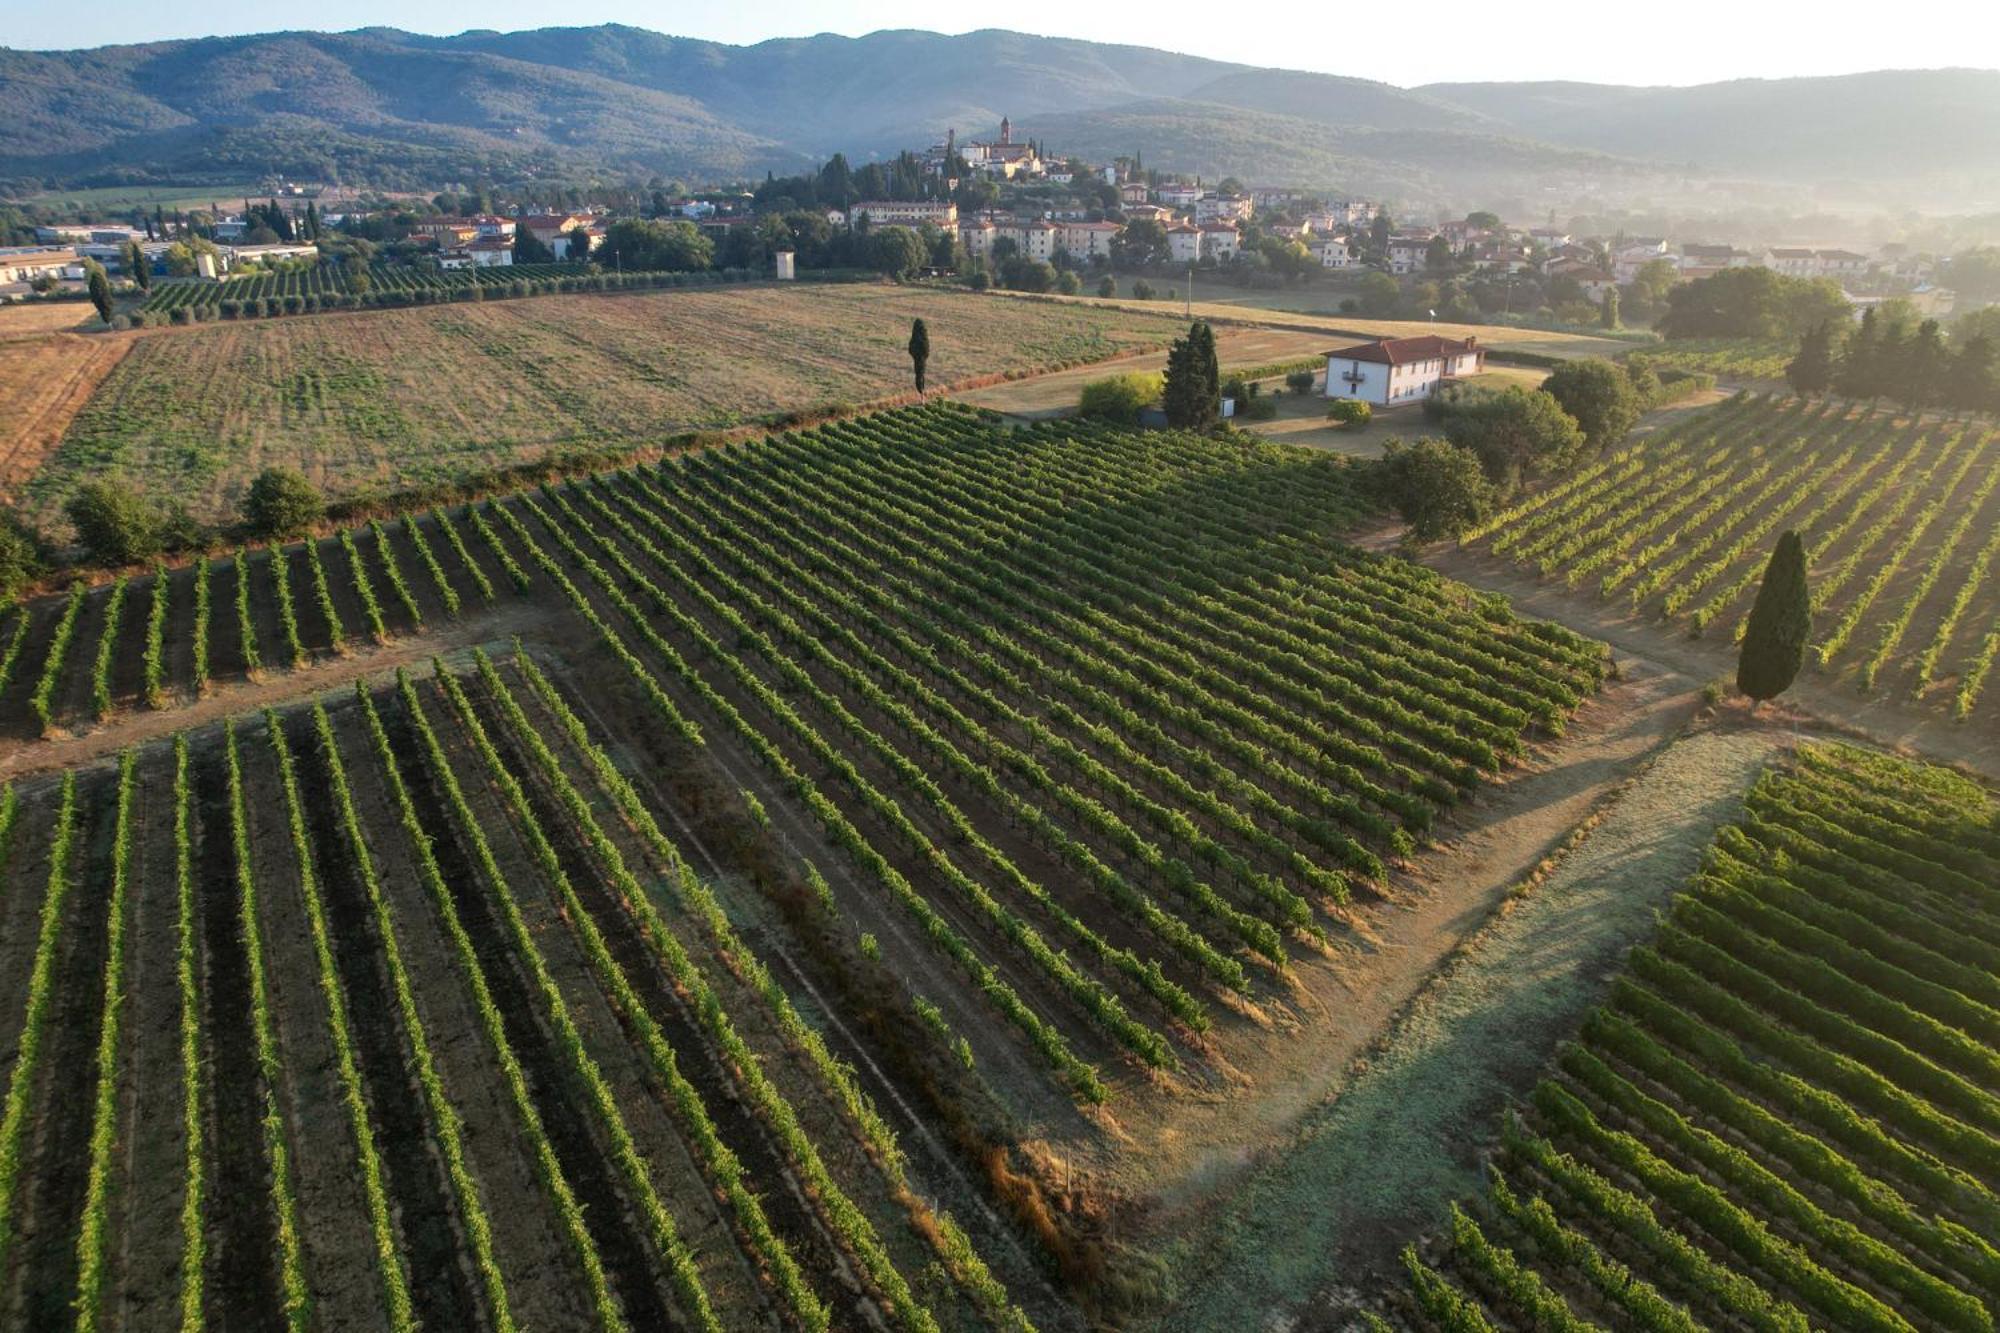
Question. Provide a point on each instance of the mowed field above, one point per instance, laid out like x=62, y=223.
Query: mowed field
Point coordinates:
x=45, y=380
x=377, y=401
x=1785, y=1115
x=1901, y=520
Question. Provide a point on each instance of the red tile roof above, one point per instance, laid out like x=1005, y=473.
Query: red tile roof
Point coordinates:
x=1402, y=351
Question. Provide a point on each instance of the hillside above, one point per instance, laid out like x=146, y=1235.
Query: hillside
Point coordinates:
x=1854, y=125
x=393, y=108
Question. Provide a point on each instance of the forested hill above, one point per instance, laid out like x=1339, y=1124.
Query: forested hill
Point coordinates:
x=394, y=108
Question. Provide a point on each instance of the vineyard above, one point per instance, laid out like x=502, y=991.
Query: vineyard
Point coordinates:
x=575, y=979
x=1727, y=358
x=1785, y=1116
x=328, y=286
x=1900, y=519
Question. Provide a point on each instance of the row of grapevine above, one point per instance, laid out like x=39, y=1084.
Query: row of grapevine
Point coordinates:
x=1784, y=1116
x=329, y=287
x=271, y=620
x=1894, y=513
x=650, y=547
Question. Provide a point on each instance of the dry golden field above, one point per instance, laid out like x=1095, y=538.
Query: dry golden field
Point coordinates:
x=384, y=400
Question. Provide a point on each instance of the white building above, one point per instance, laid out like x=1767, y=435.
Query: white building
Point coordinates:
x=1221, y=208
x=1089, y=240
x=1391, y=371
x=487, y=252
x=1177, y=196
x=1038, y=239
x=1409, y=253
x=1219, y=242
x=1334, y=253
x=1628, y=257
x=940, y=213
x=28, y=265
x=1184, y=242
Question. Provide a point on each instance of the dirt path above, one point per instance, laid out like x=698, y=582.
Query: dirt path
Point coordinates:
x=1183, y=1154
x=1381, y=1160
x=139, y=725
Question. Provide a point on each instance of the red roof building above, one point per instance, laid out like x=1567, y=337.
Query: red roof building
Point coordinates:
x=1391, y=371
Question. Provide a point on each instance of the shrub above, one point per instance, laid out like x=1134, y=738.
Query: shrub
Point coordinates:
x=114, y=524
x=1068, y=283
x=1107, y=287
x=1120, y=398
x=1438, y=488
x=20, y=557
x=1600, y=395
x=981, y=281
x=281, y=503
x=1300, y=382
x=180, y=314
x=1142, y=290
x=1350, y=413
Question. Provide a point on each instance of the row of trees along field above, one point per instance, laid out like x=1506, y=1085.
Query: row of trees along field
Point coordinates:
x=1915, y=366
x=1784, y=1117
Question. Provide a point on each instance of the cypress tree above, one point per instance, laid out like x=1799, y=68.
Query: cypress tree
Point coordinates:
x=1193, y=395
x=1811, y=371
x=1860, y=365
x=1774, y=642
x=99, y=286
x=920, y=349
x=1925, y=365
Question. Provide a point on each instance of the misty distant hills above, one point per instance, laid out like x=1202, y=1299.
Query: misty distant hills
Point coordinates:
x=393, y=108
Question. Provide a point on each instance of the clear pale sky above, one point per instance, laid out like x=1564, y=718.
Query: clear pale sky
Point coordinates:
x=1693, y=41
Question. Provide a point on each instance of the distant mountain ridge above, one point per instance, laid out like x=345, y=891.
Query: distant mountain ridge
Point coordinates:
x=384, y=106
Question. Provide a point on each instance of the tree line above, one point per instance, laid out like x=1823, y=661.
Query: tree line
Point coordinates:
x=1885, y=358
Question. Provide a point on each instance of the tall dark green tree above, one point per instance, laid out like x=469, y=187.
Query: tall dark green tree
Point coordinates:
x=1859, y=375
x=1926, y=366
x=98, y=284
x=1975, y=376
x=138, y=265
x=1774, y=642
x=1607, y=310
x=578, y=242
x=920, y=349
x=1811, y=371
x=1193, y=396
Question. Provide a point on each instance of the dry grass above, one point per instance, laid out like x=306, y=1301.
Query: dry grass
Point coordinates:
x=44, y=381
x=1054, y=394
x=383, y=400
x=33, y=319
x=1337, y=327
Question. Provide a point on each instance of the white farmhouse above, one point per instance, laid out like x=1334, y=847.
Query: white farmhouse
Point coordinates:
x=1390, y=371
x=1219, y=241
x=1334, y=253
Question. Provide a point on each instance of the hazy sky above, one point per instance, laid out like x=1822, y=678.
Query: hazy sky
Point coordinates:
x=1693, y=41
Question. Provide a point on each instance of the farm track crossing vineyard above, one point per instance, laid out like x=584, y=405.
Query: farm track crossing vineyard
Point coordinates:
x=472, y=995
